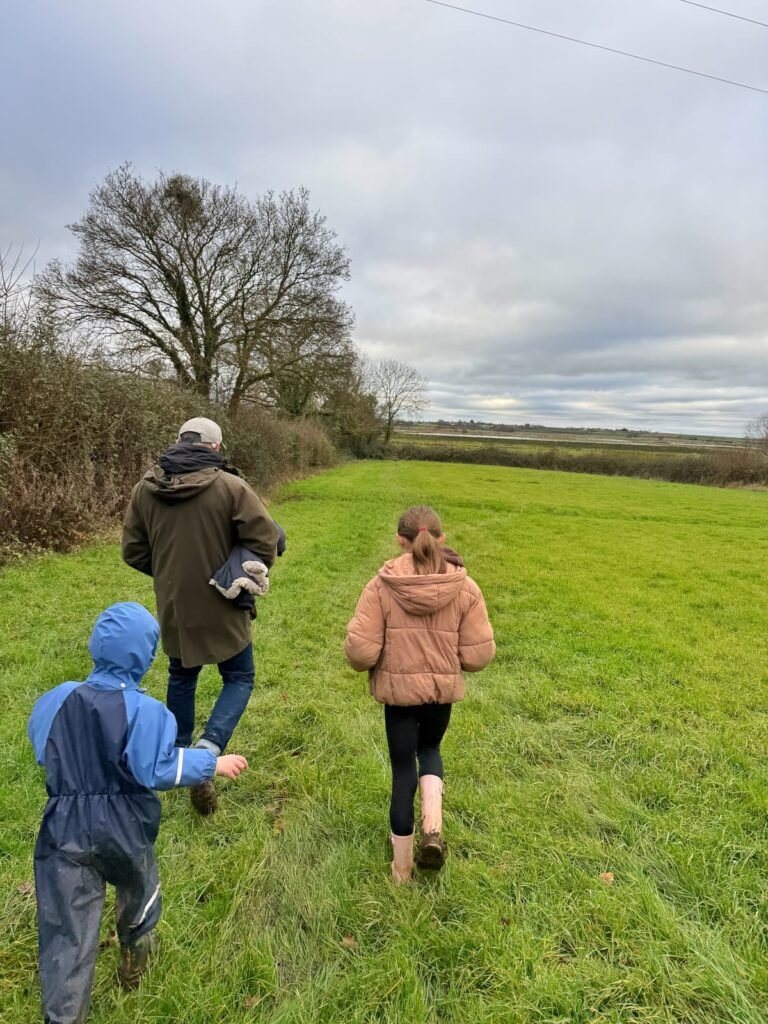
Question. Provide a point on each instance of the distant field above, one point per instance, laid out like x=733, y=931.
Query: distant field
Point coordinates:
x=566, y=447
x=622, y=730
x=585, y=439
x=573, y=442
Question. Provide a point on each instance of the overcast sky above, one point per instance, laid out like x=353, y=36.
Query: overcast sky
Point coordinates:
x=549, y=233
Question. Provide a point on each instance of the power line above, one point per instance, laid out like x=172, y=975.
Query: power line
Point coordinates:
x=599, y=46
x=727, y=14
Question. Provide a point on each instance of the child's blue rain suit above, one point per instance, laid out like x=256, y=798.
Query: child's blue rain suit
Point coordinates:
x=105, y=746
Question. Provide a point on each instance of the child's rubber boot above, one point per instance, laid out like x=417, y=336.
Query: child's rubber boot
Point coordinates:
x=204, y=798
x=135, y=960
x=432, y=846
x=402, y=861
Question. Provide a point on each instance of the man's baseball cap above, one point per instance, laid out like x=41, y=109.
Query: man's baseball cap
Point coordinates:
x=210, y=432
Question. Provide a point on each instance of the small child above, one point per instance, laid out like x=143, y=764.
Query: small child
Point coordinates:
x=418, y=624
x=105, y=746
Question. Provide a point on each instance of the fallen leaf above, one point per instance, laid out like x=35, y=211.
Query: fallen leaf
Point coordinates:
x=284, y=698
x=607, y=877
x=505, y=922
x=26, y=889
x=250, y=1002
x=349, y=942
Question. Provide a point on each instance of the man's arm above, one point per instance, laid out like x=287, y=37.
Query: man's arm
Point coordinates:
x=135, y=547
x=253, y=524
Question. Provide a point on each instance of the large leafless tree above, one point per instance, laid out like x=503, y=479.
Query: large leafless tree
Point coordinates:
x=400, y=391
x=238, y=298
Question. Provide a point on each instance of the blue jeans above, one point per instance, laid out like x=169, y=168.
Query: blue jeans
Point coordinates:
x=237, y=676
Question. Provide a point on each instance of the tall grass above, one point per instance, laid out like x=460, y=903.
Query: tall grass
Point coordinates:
x=621, y=731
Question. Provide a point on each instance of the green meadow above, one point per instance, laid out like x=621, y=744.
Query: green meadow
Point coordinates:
x=606, y=778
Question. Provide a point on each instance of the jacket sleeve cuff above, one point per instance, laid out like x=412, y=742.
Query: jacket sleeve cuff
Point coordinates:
x=194, y=765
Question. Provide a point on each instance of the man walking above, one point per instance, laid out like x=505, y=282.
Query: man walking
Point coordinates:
x=183, y=519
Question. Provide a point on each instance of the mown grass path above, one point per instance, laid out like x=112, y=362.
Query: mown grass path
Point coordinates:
x=623, y=729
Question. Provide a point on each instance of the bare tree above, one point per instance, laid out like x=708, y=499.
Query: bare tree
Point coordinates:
x=310, y=369
x=400, y=391
x=230, y=294
x=16, y=277
x=757, y=433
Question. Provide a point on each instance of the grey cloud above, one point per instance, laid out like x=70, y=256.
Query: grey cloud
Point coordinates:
x=534, y=225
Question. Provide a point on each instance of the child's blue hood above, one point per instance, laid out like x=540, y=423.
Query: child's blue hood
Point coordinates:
x=122, y=645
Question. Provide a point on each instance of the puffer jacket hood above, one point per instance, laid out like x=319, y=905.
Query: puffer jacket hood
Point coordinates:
x=122, y=645
x=415, y=635
x=421, y=595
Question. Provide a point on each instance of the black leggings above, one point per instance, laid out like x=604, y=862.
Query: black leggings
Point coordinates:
x=412, y=732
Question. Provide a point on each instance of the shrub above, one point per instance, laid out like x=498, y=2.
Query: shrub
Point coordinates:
x=76, y=435
x=719, y=467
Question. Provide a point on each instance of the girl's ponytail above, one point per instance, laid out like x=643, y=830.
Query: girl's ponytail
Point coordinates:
x=421, y=526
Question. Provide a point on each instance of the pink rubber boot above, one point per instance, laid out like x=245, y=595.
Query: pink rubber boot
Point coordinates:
x=402, y=861
x=432, y=847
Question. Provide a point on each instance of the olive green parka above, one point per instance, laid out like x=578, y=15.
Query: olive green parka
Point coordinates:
x=179, y=530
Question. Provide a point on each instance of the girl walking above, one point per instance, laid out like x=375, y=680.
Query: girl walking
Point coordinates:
x=419, y=623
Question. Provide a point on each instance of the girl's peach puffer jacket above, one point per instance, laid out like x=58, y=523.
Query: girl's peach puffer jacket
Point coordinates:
x=415, y=634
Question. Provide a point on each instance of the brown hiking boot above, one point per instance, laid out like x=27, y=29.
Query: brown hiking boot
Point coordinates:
x=204, y=798
x=135, y=960
x=431, y=852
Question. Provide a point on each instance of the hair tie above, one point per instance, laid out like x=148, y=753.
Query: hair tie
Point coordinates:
x=423, y=529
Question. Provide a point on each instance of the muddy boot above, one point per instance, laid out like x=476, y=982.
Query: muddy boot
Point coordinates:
x=204, y=798
x=432, y=846
x=402, y=861
x=135, y=960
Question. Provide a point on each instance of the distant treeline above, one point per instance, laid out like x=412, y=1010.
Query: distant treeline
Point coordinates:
x=722, y=467
x=463, y=427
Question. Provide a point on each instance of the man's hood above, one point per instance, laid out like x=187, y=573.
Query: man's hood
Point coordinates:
x=172, y=489
x=122, y=645
x=183, y=471
x=421, y=595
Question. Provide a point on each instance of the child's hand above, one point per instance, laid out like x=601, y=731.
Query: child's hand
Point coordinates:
x=230, y=765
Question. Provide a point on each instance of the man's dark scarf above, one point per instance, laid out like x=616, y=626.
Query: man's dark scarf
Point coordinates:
x=189, y=458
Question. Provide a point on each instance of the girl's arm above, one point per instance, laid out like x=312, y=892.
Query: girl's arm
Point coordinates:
x=477, y=647
x=365, y=633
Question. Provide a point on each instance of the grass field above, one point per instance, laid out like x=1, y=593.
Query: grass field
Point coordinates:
x=622, y=729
